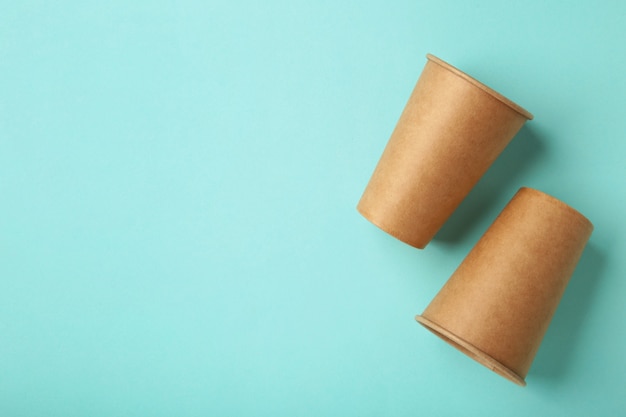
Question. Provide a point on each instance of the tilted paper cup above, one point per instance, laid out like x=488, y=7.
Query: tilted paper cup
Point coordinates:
x=451, y=130
x=498, y=304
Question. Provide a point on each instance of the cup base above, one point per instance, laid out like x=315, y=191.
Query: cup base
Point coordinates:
x=390, y=231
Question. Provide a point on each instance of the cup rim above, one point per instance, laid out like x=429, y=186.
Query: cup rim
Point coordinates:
x=471, y=350
x=519, y=109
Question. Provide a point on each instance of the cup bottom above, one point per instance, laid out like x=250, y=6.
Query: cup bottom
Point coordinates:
x=389, y=230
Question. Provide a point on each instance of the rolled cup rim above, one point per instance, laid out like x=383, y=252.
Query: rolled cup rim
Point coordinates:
x=516, y=107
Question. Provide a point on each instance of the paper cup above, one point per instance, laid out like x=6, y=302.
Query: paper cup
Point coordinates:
x=451, y=130
x=498, y=304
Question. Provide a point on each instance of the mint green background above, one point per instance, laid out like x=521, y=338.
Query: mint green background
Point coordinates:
x=178, y=182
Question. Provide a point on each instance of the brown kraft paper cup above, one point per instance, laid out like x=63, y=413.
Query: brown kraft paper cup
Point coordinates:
x=498, y=304
x=451, y=130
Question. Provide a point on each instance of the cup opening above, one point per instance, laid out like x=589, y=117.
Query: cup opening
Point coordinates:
x=471, y=351
x=514, y=106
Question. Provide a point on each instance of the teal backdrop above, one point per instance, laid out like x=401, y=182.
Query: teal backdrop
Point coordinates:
x=178, y=182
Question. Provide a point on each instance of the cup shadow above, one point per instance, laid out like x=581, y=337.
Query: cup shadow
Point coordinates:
x=559, y=343
x=516, y=159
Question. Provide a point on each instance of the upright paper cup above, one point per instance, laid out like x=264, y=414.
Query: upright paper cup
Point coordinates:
x=451, y=130
x=498, y=304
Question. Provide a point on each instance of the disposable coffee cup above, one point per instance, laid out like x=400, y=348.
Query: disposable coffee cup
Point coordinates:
x=451, y=130
x=498, y=304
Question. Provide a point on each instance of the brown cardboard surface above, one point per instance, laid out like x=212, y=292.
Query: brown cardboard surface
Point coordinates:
x=498, y=304
x=450, y=132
